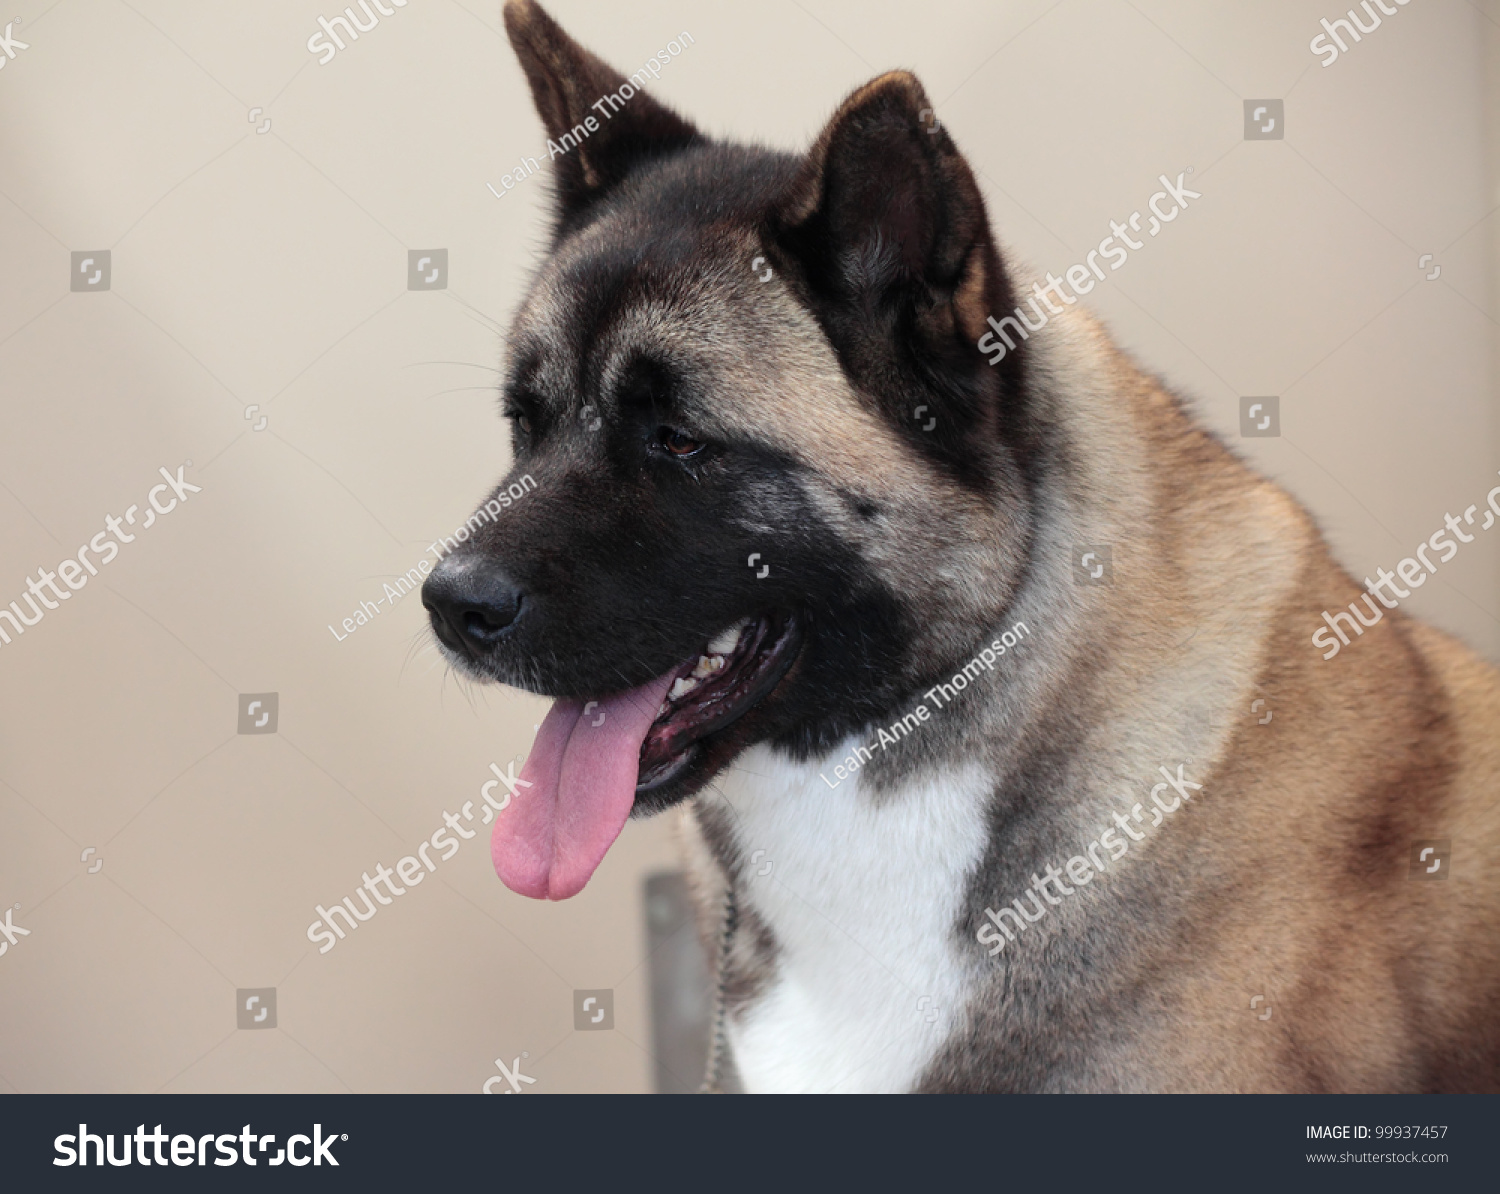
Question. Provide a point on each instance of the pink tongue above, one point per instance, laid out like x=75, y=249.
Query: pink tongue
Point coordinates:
x=555, y=833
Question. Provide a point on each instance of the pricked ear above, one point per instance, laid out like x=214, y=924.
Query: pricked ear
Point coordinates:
x=568, y=84
x=885, y=206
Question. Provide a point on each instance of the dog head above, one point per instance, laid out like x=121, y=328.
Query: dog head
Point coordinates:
x=768, y=486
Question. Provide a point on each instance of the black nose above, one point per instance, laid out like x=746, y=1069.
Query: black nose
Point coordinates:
x=472, y=604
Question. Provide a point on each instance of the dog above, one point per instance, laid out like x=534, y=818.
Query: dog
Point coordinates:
x=802, y=561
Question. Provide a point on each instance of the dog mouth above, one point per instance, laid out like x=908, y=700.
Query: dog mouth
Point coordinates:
x=591, y=760
x=737, y=670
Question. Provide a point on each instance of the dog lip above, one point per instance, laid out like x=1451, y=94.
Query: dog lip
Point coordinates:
x=758, y=665
x=659, y=775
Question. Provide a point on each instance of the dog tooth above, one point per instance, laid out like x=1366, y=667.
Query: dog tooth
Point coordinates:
x=727, y=640
x=707, y=665
x=724, y=642
x=681, y=687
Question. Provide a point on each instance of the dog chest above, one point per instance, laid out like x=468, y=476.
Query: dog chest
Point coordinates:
x=861, y=895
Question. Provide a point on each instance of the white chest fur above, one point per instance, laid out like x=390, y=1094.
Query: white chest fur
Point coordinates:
x=862, y=896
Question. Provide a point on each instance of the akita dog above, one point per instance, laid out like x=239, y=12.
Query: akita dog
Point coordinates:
x=788, y=515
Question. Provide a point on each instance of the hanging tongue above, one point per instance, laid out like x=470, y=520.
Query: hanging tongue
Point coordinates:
x=582, y=780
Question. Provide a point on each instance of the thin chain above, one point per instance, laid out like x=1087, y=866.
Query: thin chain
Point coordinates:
x=717, y=1043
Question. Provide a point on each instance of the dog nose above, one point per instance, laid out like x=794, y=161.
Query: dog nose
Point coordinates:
x=471, y=604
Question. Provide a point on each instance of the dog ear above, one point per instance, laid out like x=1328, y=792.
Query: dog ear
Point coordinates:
x=569, y=86
x=886, y=208
x=889, y=231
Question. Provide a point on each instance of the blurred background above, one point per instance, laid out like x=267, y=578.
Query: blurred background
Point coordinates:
x=224, y=248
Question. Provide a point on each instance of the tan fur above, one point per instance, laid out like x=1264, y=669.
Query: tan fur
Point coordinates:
x=1295, y=857
x=1288, y=877
x=1378, y=981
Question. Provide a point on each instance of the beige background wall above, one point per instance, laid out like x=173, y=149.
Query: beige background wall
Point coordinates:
x=270, y=269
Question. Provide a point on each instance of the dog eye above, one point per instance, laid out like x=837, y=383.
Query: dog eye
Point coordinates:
x=523, y=423
x=677, y=443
